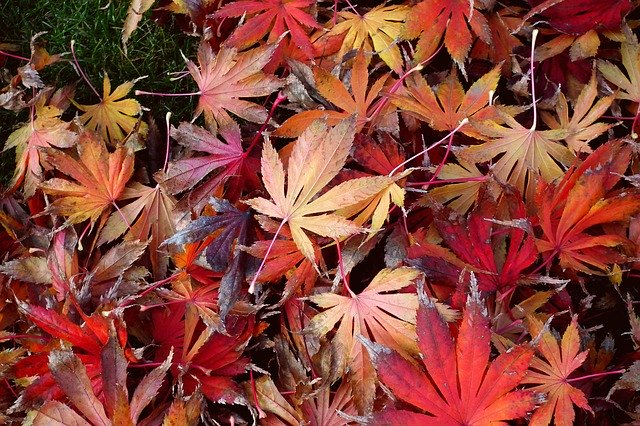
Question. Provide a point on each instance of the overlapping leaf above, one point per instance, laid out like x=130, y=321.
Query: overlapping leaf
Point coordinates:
x=581, y=201
x=378, y=30
x=226, y=158
x=317, y=157
x=226, y=76
x=379, y=314
x=551, y=371
x=272, y=17
x=101, y=178
x=444, y=109
x=358, y=103
x=431, y=19
x=459, y=384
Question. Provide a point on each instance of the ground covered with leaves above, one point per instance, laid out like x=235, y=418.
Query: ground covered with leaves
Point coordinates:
x=419, y=212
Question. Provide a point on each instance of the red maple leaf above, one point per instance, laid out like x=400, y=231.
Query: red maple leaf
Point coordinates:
x=582, y=200
x=202, y=357
x=87, y=342
x=273, y=17
x=224, y=160
x=459, y=385
x=579, y=16
x=430, y=19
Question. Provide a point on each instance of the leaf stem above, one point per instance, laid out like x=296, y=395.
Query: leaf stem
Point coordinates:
x=445, y=181
x=252, y=285
x=463, y=122
x=166, y=154
x=142, y=92
x=281, y=97
x=534, y=35
x=591, y=376
x=153, y=286
x=345, y=279
x=9, y=55
x=261, y=413
x=82, y=74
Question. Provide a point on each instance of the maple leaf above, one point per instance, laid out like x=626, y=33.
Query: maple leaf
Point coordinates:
x=226, y=76
x=321, y=407
x=101, y=177
x=579, y=202
x=430, y=19
x=376, y=31
x=203, y=358
x=148, y=216
x=526, y=152
x=581, y=126
x=135, y=11
x=273, y=17
x=87, y=341
x=375, y=313
x=580, y=16
x=44, y=130
x=503, y=25
x=382, y=158
x=317, y=157
x=225, y=159
x=336, y=92
x=459, y=385
x=628, y=87
x=113, y=405
x=462, y=195
x=229, y=226
x=284, y=259
x=113, y=117
x=498, y=264
x=444, y=109
x=551, y=374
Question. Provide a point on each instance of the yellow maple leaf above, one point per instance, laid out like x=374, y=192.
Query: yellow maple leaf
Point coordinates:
x=317, y=157
x=113, y=117
x=381, y=26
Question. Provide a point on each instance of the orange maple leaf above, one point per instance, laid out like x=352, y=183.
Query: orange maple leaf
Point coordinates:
x=444, y=109
x=356, y=103
x=376, y=314
x=579, y=202
x=100, y=179
x=551, y=373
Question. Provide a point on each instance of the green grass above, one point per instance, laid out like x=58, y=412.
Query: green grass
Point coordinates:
x=96, y=25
